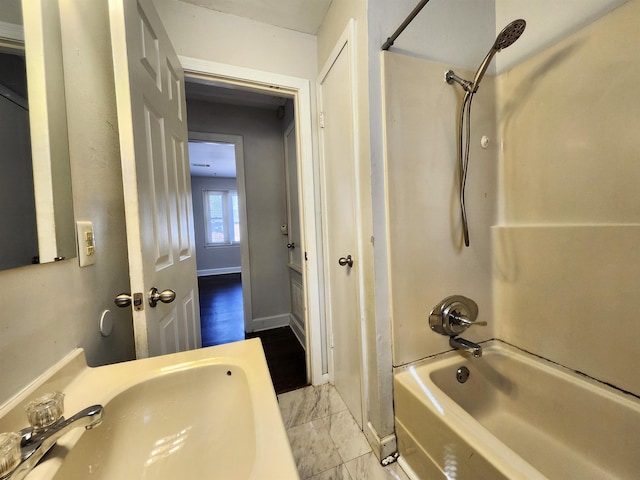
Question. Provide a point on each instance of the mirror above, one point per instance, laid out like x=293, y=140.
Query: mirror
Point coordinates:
x=35, y=186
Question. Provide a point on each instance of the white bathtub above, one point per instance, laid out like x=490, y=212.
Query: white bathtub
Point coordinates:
x=517, y=416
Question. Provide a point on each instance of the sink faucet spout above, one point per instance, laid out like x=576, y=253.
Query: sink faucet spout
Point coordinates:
x=35, y=444
x=465, y=345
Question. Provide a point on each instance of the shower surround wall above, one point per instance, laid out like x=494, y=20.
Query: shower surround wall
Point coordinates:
x=554, y=269
x=428, y=259
x=566, y=250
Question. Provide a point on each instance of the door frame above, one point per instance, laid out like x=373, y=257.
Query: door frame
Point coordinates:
x=287, y=132
x=300, y=90
x=236, y=141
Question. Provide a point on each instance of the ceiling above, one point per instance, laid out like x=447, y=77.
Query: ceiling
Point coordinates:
x=210, y=159
x=300, y=15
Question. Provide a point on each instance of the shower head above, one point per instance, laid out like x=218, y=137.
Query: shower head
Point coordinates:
x=509, y=34
x=505, y=38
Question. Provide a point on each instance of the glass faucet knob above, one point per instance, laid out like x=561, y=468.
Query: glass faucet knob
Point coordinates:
x=45, y=410
x=9, y=453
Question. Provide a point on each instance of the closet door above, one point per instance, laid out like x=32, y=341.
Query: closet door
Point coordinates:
x=341, y=220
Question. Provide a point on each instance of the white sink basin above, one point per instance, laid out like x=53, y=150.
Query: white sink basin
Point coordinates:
x=209, y=413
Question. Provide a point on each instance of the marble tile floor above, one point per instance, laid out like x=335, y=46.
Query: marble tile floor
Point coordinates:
x=325, y=439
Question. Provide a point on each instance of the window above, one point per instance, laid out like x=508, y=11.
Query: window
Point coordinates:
x=221, y=217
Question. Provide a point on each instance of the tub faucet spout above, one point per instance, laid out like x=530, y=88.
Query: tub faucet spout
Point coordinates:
x=465, y=345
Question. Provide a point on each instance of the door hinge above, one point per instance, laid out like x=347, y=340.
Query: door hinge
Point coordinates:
x=321, y=119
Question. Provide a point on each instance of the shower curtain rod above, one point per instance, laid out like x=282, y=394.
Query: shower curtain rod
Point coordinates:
x=404, y=25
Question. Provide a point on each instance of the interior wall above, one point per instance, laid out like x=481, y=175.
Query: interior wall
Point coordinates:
x=50, y=309
x=11, y=12
x=566, y=248
x=221, y=258
x=428, y=259
x=266, y=205
x=218, y=37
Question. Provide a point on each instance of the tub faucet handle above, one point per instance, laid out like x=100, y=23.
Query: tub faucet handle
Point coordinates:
x=454, y=315
x=462, y=320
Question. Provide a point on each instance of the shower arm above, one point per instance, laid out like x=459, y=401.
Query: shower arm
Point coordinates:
x=471, y=87
x=451, y=77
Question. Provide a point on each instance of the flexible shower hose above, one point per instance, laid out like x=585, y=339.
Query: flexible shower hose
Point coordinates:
x=464, y=140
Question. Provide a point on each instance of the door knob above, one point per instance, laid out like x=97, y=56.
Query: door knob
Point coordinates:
x=344, y=261
x=124, y=300
x=165, y=296
x=291, y=246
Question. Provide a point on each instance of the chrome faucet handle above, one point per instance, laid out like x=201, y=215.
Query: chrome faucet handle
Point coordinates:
x=454, y=315
x=465, y=321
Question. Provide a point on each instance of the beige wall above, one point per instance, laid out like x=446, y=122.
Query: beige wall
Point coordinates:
x=428, y=260
x=47, y=310
x=567, y=118
x=566, y=250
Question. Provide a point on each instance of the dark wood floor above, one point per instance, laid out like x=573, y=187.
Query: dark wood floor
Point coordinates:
x=221, y=311
x=285, y=358
x=221, y=318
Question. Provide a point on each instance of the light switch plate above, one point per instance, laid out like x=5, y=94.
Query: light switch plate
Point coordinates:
x=86, y=243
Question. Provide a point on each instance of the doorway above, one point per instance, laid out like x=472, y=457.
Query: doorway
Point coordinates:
x=241, y=222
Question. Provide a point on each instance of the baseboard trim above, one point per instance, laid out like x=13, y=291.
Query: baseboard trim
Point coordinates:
x=298, y=329
x=218, y=271
x=381, y=447
x=265, y=323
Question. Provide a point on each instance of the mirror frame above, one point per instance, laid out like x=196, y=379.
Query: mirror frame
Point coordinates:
x=40, y=38
x=49, y=135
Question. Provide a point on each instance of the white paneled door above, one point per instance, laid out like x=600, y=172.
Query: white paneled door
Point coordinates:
x=157, y=187
x=341, y=219
x=293, y=201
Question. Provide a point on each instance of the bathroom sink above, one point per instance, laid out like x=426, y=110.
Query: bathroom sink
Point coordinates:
x=208, y=413
x=179, y=424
